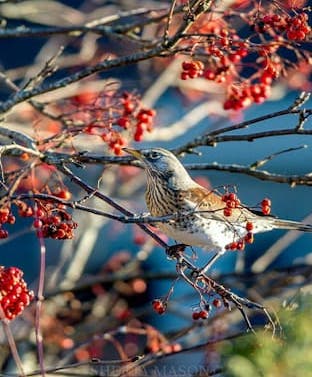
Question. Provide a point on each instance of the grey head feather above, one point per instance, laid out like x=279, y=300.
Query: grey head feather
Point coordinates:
x=161, y=162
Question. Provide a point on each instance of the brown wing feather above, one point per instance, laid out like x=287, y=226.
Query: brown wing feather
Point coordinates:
x=207, y=200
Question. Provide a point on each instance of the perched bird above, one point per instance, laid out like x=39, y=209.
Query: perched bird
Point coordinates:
x=202, y=218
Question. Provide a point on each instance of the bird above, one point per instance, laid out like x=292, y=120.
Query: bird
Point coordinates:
x=199, y=215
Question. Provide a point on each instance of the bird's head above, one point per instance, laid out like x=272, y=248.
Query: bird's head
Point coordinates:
x=164, y=164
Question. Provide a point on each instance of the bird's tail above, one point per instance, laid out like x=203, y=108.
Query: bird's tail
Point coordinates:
x=291, y=225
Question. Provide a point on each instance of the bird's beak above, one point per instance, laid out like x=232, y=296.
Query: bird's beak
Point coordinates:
x=134, y=152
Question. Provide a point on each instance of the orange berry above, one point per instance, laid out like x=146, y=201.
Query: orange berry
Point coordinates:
x=63, y=194
x=24, y=156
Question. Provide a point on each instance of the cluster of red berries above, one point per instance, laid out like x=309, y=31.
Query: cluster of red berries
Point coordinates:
x=192, y=69
x=159, y=306
x=109, y=115
x=227, y=49
x=114, y=140
x=135, y=117
x=6, y=217
x=201, y=314
x=204, y=313
x=156, y=345
x=241, y=243
x=145, y=120
x=56, y=224
x=270, y=21
x=296, y=27
x=224, y=52
x=242, y=96
x=14, y=295
x=51, y=220
x=236, y=245
x=239, y=96
x=231, y=202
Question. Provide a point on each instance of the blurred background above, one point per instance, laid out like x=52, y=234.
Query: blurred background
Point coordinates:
x=184, y=110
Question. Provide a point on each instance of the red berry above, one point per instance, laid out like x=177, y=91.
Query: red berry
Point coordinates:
x=61, y=233
x=266, y=78
x=225, y=197
x=123, y=122
x=249, y=226
x=232, y=196
x=11, y=219
x=249, y=238
x=234, y=57
x=4, y=214
x=184, y=75
x=217, y=303
x=266, y=202
x=209, y=74
x=14, y=293
x=37, y=223
x=227, y=212
x=3, y=233
x=159, y=306
x=128, y=107
x=196, y=315
x=266, y=210
x=138, y=136
x=203, y=314
x=233, y=246
x=242, y=52
x=240, y=245
x=186, y=65
x=150, y=112
x=85, y=98
x=230, y=203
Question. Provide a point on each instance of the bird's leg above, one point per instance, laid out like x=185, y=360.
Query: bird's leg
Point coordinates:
x=204, y=269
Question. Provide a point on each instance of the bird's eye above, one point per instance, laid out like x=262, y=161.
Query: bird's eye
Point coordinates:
x=153, y=155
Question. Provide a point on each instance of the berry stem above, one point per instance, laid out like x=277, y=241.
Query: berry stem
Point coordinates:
x=11, y=342
x=40, y=292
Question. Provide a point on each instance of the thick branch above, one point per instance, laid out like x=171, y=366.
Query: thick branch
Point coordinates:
x=162, y=49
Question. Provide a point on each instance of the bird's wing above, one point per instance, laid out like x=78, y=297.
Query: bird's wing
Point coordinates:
x=203, y=200
x=211, y=206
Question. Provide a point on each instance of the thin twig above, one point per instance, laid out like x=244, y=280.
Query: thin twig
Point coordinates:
x=40, y=298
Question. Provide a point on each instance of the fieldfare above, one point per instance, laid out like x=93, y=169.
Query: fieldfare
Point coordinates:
x=200, y=217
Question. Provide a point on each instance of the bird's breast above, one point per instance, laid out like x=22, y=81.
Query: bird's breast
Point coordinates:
x=161, y=200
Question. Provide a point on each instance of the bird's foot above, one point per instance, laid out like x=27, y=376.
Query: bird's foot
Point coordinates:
x=174, y=251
